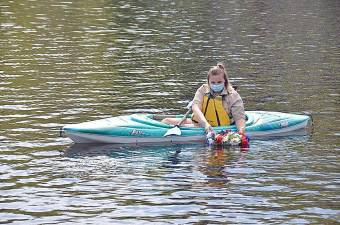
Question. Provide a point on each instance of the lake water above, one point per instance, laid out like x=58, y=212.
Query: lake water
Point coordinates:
x=72, y=61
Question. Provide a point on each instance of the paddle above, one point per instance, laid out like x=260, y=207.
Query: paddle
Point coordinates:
x=175, y=130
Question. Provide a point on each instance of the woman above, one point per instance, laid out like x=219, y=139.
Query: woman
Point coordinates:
x=216, y=103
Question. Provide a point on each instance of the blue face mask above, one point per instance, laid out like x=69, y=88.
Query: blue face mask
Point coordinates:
x=217, y=87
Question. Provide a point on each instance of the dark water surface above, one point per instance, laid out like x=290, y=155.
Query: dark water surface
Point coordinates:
x=71, y=61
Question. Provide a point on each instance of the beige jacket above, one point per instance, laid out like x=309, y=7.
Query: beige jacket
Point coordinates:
x=232, y=103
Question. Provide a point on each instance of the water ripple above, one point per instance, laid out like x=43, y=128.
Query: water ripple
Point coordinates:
x=79, y=61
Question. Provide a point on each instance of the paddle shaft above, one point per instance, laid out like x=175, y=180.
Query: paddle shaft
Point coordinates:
x=184, y=117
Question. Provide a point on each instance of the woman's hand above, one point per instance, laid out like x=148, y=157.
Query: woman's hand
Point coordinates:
x=241, y=125
x=208, y=127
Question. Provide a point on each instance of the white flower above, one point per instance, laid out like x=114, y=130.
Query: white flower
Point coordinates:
x=232, y=138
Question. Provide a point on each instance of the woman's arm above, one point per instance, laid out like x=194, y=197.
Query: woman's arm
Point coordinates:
x=197, y=102
x=241, y=125
x=200, y=117
x=237, y=110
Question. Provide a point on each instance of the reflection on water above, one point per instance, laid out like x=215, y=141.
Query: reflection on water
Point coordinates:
x=212, y=161
x=72, y=61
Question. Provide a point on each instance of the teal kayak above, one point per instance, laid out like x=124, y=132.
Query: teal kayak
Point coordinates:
x=148, y=128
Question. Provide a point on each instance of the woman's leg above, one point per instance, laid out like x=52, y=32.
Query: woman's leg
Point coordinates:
x=175, y=121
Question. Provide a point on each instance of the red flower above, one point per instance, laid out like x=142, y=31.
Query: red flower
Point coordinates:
x=244, y=142
x=218, y=138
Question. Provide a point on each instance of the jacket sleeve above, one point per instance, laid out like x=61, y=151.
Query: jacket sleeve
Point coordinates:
x=198, y=99
x=236, y=106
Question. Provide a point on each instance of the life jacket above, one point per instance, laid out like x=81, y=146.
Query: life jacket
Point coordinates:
x=213, y=110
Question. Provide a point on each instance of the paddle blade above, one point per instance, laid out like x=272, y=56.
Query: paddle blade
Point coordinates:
x=173, y=131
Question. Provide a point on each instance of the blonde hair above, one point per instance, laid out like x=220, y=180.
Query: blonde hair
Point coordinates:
x=218, y=69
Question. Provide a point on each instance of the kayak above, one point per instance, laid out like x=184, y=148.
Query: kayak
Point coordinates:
x=148, y=128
